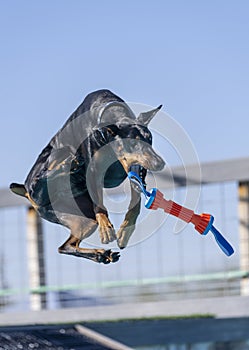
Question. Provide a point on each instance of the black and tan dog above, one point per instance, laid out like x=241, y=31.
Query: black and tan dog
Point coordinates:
x=97, y=146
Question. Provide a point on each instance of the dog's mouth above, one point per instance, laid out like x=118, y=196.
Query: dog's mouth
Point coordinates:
x=141, y=172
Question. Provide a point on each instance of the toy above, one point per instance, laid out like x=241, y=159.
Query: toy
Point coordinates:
x=203, y=223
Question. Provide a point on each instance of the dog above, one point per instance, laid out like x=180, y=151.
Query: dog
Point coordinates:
x=97, y=146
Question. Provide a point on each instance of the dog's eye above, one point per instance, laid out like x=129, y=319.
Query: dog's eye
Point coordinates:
x=110, y=131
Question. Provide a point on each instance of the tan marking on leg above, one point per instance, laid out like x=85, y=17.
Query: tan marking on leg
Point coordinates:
x=106, y=230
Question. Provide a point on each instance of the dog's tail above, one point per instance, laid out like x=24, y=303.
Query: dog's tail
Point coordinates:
x=18, y=189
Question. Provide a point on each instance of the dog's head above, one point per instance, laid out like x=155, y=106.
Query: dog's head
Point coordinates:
x=133, y=146
x=131, y=140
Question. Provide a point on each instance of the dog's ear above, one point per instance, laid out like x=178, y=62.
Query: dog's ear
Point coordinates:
x=146, y=117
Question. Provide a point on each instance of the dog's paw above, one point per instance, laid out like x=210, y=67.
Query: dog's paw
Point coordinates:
x=107, y=257
x=107, y=233
x=124, y=234
x=106, y=229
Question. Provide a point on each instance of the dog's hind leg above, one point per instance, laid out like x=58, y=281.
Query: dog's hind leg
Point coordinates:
x=81, y=228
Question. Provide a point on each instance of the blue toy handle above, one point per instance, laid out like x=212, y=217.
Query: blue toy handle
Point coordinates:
x=222, y=242
x=137, y=180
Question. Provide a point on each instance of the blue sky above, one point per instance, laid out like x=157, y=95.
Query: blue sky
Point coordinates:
x=191, y=56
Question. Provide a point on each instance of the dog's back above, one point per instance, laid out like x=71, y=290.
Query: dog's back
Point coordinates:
x=60, y=157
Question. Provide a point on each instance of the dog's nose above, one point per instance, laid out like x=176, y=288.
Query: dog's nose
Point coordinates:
x=159, y=164
x=153, y=160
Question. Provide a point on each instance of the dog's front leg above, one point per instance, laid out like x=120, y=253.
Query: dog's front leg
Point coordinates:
x=106, y=229
x=128, y=225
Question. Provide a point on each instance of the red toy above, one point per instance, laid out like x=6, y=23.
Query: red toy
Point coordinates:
x=203, y=223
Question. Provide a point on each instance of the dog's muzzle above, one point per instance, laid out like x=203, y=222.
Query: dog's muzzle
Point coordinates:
x=141, y=172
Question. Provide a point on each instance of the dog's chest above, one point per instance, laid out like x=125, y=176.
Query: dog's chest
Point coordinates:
x=114, y=175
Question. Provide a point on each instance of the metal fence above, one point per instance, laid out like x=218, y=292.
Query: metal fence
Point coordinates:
x=158, y=265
